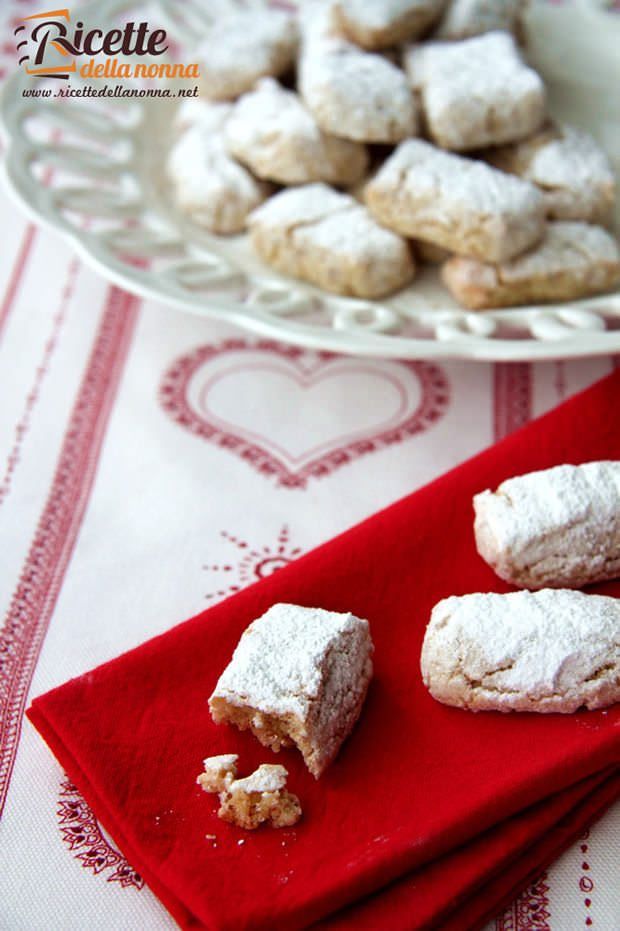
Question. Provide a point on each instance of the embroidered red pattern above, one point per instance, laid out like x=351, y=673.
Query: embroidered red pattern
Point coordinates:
x=21, y=428
x=253, y=563
x=586, y=883
x=34, y=599
x=512, y=386
x=434, y=391
x=530, y=912
x=81, y=833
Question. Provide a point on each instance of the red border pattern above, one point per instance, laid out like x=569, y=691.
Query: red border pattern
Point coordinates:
x=530, y=912
x=16, y=274
x=512, y=391
x=23, y=424
x=33, y=602
x=81, y=833
x=435, y=390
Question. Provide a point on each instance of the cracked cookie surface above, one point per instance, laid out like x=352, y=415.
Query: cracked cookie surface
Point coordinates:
x=464, y=206
x=242, y=47
x=378, y=25
x=210, y=186
x=276, y=137
x=572, y=171
x=572, y=260
x=549, y=651
x=319, y=235
x=557, y=528
x=476, y=92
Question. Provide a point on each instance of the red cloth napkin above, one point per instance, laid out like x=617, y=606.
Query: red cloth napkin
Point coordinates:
x=415, y=780
x=464, y=888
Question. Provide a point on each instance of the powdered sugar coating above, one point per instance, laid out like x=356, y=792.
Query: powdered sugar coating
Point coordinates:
x=572, y=260
x=573, y=172
x=555, y=528
x=378, y=25
x=351, y=93
x=297, y=677
x=317, y=234
x=272, y=132
x=208, y=184
x=464, y=205
x=219, y=772
x=269, y=777
x=466, y=18
x=245, y=46
x=277, y=665
x=552, y=650
x=476, y=92
x=225, y=761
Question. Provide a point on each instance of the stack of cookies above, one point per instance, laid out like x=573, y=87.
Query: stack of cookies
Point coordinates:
x=360, y=137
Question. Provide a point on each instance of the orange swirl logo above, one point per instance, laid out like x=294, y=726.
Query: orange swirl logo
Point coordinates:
x=50, y=46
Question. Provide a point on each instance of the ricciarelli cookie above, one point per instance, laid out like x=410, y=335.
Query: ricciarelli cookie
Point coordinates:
x=464, y=206
x=548, y=651
x=573, y=260
x=272, y=133
x=379, y=25
x=477, y=92
x=242, y=47
x=298, y=677
x=570, y=168
x=351, y=93
x=316, y=234
x=208, y=184
x=557, y=528
x=466, y=18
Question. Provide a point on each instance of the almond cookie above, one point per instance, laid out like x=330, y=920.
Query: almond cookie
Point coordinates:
x=466, y=18
x=298, y=677
x=573, y=260
x=329, y=239
x=548, y=651
x=379, y=25
x=477, y=92
x=242, y=47
x=208, y=184
x=351, y=93
x=558, y=528
x=572, y=171
x=272, y=133
x=465, y=206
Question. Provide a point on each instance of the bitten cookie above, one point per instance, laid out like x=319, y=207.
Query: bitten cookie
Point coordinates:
x=272, y=133
x=466, y=18
x=465, y=206
x=329, y=239
x=298, y=677
x=573, y=260
x=208, y=184
x=553, y=650
x=379, y=25
x=477, y=92
x=558, y=528
x=351, y=93
x=242, y=47
x=572, y=171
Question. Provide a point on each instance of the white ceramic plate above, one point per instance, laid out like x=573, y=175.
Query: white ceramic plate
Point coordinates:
x=93, y=171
